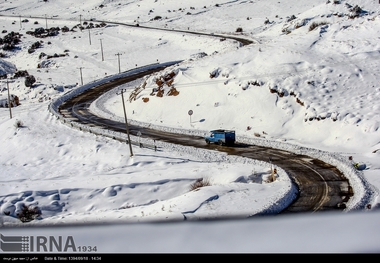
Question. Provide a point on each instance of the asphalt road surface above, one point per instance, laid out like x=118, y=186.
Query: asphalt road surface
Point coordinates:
x=322, y=187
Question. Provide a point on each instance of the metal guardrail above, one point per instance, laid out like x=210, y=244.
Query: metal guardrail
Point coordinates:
x=122, y=137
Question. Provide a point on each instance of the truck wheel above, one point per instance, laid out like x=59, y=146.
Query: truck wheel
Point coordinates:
x=207, y=141
x=220, y=142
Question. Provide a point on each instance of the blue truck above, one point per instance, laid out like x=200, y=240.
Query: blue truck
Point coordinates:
x=221, y=137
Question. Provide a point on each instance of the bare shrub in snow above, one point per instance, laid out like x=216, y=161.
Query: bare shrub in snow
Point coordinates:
x=214, y=73
x=314, y=25
x=292, y=17
x=301, y=23
x=286, y=31
x=29, y=213
x=157, y=18
x=355, y=12
x=18, y=124
x=200, y=183
x=21, y=73
x=29, y=80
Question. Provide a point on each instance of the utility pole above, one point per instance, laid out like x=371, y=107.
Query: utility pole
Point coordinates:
x=46, y=22
x=118, y=58
x=126, y=121
x=81, y=77
x=20, y=22
x=9, y=101
x=101, y=48
x=89, y=35
x=80, y=22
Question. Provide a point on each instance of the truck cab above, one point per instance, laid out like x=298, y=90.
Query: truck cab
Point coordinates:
x=221, y=137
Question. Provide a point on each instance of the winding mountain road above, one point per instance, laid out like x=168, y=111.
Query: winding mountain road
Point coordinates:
x=322, y=187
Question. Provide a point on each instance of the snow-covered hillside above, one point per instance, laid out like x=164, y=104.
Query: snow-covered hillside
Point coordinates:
x=309, y=79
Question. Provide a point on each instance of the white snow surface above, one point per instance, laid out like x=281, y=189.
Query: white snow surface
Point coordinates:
x=314, y=92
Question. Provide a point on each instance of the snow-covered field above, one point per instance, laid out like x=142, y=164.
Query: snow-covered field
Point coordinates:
x=314, y=91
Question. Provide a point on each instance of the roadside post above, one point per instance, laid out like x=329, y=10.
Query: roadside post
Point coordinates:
x=190, y=112
x=139, y=135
